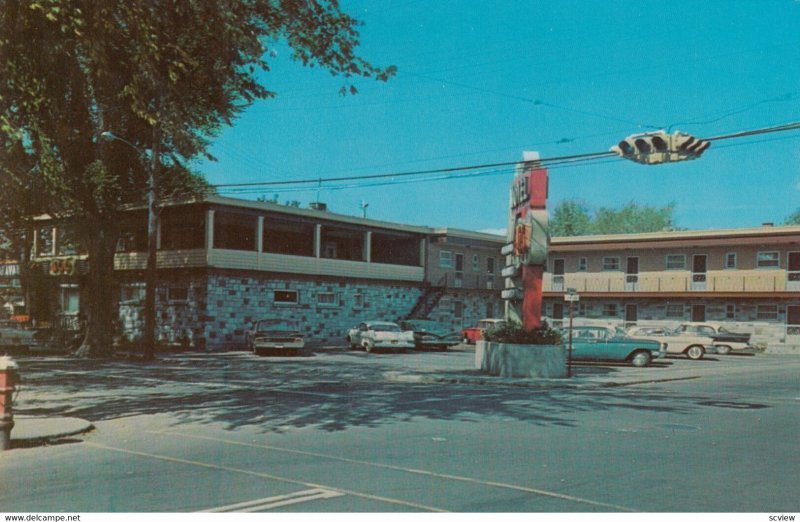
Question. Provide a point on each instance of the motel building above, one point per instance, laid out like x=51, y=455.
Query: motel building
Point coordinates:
x=747, y=278
x=224, y=263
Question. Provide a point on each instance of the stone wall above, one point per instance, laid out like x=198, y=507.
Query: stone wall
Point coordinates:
x=212, y=311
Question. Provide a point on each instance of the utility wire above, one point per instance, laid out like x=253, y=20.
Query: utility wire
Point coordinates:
x=468, y=170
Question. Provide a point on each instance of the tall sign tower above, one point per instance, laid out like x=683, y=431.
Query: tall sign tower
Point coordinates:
x=528, y=238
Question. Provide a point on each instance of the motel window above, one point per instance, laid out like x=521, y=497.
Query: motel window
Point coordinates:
x=489, y=310
x=133, y=234
x=395, y=249
x=610, y=310
x=675, y=311
x=132, y=293
x=183, y=229
x=767, y=312
x=45, y=241
x=445, y=259
x=767, y=260
x=676, y=262
x=359, y=301
x=327, y=299
x=730, y=260
x=490, y=265
x=342, y=243
x=581, y=310
x=285, y=297
x=582, y=264
x=234, y=231
x=476, y=263
x=458, y=309
x=610, y=263
x=294, y=238
x=730, y=311
x=178, y=294
x=66, y=241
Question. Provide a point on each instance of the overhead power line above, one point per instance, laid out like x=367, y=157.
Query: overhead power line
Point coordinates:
x=465, y=170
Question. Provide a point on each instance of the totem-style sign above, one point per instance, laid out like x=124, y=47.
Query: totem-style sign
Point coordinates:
x=528, y=238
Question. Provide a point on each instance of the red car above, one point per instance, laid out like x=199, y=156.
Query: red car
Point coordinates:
x=475, y=333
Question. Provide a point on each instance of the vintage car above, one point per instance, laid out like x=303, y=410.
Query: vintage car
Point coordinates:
x=371, y=335
x=600, y=343
x=13, y=334
x=430, y=335
x=275, y=335
x=725, y=341
x=475, y=333
x=693, y=346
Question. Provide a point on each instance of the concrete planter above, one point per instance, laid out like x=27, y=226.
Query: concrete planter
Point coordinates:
x=521, y=360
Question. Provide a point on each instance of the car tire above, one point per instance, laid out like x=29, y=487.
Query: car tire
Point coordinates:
x=641, y=358
x=367, y=347
x=723, y=350
x=695, y=352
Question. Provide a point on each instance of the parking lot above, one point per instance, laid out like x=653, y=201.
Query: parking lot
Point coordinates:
x=342, y=430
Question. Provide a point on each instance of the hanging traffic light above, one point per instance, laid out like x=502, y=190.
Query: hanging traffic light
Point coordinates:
x=659, y=147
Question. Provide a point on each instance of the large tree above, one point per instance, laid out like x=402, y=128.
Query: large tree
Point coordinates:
x=575, y=218
x=164, y=75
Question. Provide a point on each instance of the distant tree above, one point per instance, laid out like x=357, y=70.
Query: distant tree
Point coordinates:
x=793, y=219
x=164, y=75
x=570, y=218
x=574, y=218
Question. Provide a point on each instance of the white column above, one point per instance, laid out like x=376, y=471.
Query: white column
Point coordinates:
x=317, y=240
x=209, y=230
x=368, y=247
x=260, y=234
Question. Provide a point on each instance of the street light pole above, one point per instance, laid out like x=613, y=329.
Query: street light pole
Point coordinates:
x=150, y=278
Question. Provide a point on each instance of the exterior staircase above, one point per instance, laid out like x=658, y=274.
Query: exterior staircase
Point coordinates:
x=428, y=299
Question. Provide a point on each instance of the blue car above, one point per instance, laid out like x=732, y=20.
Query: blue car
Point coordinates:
x=600, y=343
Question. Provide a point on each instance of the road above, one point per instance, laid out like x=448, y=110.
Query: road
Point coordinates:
x=330, y=433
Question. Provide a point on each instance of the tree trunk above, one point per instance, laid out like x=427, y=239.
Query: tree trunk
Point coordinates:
x=100, y=287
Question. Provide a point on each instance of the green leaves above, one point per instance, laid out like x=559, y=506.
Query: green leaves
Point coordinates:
x=574, y=218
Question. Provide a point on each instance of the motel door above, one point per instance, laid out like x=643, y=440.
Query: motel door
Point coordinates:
x=631, y=314
x=793, y=272
x=793, y=320
x=698, y=313
x=632, y=274
x=699, y=272
x=558, y=275
x=459, y=279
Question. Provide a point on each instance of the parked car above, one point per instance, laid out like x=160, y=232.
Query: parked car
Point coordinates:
x=272, y=335
x=725, y=341
x=601, y=343
x=430, y=335
x=692, y=346
x=15, y=334
x=370, y=335
x=475, y=333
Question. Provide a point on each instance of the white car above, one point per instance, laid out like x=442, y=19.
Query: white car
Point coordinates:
x=691, y=345
x=725, y=341
x=370, y=335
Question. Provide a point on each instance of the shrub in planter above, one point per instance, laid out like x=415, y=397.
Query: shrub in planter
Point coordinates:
x=513, y=333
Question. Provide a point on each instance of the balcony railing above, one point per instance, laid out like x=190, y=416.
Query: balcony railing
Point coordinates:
x=654, y=282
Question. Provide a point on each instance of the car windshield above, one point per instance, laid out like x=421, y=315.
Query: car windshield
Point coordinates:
x=385, y=328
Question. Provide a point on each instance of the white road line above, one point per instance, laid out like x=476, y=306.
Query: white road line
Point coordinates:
x=262, y=504
x=264, y=475
x=459, y=478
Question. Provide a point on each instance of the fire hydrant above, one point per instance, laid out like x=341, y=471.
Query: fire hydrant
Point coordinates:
x=9, y=381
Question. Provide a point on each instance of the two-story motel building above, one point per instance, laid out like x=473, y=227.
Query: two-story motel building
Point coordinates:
x=224, y=263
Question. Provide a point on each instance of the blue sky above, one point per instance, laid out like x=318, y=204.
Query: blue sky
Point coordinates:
x=479, y=82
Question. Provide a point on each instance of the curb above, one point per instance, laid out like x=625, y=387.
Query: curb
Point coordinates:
x=30, y=431
x=417, y=378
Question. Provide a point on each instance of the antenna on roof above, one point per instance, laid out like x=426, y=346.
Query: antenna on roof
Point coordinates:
x=363, y=207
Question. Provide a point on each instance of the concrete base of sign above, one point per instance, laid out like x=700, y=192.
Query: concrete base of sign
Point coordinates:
x=521, y=360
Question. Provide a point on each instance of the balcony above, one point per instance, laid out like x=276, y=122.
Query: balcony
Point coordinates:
x=721, y=281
